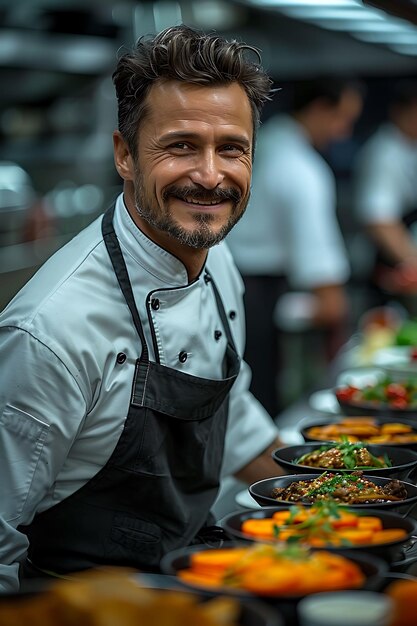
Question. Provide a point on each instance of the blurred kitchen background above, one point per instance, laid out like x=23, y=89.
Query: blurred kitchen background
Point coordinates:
x=57, y=104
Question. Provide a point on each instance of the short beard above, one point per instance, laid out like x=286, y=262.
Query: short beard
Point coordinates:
x=202, y=236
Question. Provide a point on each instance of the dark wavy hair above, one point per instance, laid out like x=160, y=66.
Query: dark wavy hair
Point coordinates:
x=188, y=55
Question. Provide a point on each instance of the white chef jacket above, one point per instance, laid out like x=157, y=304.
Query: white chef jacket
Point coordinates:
x=64, y=396
x=386, y=176
x=290, y=227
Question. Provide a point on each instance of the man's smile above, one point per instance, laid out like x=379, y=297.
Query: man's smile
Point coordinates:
x=202, y=202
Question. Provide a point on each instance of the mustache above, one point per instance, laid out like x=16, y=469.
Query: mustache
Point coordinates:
x=200, y=193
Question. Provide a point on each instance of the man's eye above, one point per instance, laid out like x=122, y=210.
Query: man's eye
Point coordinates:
x=232, y=149
x=180, y=145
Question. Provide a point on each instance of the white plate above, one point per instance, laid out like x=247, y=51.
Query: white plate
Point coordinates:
x=396, y=362
x=361, y=376
x=324, y=401
x=290, y=436
x=243, y=498
x=393, y=355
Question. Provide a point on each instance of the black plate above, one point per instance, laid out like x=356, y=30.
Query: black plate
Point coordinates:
x=403, y=461
x=309, y=423
x=391, y=552
x=262, y=489
x=391, y=577
x=372, y=567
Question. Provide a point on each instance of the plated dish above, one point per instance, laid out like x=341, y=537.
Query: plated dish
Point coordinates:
x=350, y=488
x=383, y=397
x=369, y=429
x=346, y=457
x=271, y=570
x=376, y=492
x=325, y=525
x=324, y=400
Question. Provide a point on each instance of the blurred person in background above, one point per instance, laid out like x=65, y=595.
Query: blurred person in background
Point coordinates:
x=290, y=237
x=123, y=397
x=23, y=216
x=386, y=195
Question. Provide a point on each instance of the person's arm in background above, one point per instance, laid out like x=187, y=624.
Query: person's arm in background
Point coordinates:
x=262, y=466
x=379, y=199
x=39, y=405
x=395, y=240
x=317, y=257
x=332, y=305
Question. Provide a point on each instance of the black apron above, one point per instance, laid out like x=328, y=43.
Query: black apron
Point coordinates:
x=155, y=493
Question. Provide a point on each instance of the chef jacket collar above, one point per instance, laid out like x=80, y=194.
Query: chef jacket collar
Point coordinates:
x=152, y=258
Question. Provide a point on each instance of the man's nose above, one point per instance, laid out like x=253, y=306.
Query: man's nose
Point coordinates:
x=208, y=171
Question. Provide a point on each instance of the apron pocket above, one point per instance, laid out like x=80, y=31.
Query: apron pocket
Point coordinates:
x=136, y=534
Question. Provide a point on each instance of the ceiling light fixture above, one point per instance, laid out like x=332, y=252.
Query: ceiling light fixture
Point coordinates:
x=364, y=25
x=384, y=37
x=408, y=49
x=307, y=3
x=336, y=13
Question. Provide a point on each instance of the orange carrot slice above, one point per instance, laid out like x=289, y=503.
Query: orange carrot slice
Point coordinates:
x=370, y=523
x=388, y=535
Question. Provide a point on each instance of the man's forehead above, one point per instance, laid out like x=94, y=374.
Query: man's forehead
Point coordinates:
x=175, y=107
x=172, y=96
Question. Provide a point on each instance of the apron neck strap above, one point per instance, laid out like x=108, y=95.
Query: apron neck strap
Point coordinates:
x=120, y=269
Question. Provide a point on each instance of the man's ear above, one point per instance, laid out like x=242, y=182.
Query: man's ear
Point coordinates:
x=122, y=157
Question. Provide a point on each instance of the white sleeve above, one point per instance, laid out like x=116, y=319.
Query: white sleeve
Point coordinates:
x=41, y=409
x=250, y=428
x=316, y=248
x=377, y=189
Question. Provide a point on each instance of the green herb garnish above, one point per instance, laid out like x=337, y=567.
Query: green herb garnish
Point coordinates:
x=349, y=453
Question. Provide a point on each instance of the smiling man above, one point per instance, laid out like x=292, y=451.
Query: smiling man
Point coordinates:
x=125, y=401
x=189, y=182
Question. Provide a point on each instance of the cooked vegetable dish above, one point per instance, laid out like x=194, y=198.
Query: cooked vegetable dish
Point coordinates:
x=385, y=393
x=344, y=455
x=272, y=570
x=365, y=429
x=324, y=524
x=351, y=488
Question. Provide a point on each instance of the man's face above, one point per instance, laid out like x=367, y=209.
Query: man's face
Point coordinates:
x=193, y=168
